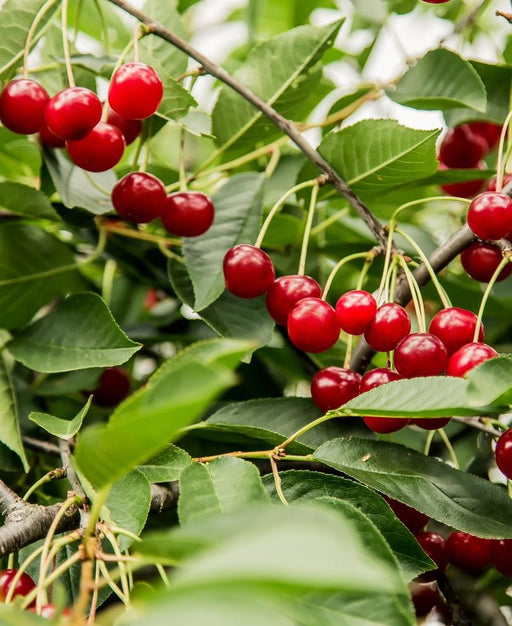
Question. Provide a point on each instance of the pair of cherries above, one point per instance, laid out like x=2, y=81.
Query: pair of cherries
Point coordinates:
x=23, y=587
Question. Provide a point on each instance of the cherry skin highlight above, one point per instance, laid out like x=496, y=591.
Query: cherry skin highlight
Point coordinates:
x=420, y=354
x=23, y=587
x=461, y=148
x=287, y=291
x=135, y=91
x=333, y=386
x=73, y=113
x=501, y=556
x=130, y=128
x=22, y=106
x=435, y=546
x=113, y=386
x=313, y=325
x=187, y=214
x=389, y=326
x=455, y=327
x=481, y=260
x=139, y=197
x=490, y=215
x=376, y=378
x=468, y=552
x=503, y=453
x=356, y=310
x=468, y=357
x=414, y=520
x=98, y=151
x=248, y=271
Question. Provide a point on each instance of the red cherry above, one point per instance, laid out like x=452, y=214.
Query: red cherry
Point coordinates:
x=503, y=453
x=455, y=327
x=22, y=106
x=462, y=148
x=469, y=552
x=414, y=520
x=334, y=386
x=130, y=128
x=248, y=271
x=98, y=151
x=136, y=91
x=435, y=546
x=501, y=556
x=431, y=423
x=468, y=357
x=491, y=186
x=490, y=215
x=356, y=310
x=286, y=291
x=50, y=611
x=139, y=197
x=425, y=596
x=152, y=298
x=390, y=324
x=420, y=354
x=313, y=325
x=187, y=214
x=73, y=113
x=481, y=260
x=488, y=131
x=466, y=189
x=376, y=378
x=47, y=138
x=113, y=386
x=23, y=587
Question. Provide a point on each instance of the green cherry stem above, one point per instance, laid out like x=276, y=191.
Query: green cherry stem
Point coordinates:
x=182, y=173
x=340, y=264
x=277, y=481
x=416, y=295
x=387, y=260
x=65, y=43
x=501, y=163
x=506, y=259
x=30, y=35
x=412, y=203
x=449, y=447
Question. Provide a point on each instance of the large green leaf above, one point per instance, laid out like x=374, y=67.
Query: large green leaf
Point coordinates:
x=458, y=499
x=64, y=429
x=26, y=201
x=166, y=466
x=79, y=333
x=9, y=425
x=491, y=382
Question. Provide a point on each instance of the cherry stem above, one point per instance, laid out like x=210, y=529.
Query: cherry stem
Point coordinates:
x=506, y=259
x=428, y=442
x=65, y=43
x=277, y=206
x=122, y=566
x=416, y=295
x=501, y=164
x=387, y=260
x=348, y=352
x=307, y=230
x=370, y=257
x=273, y=162
x=30, y=35
x=55, y=474
x=328, y=221
x=104, y=27
x=277, y=481
x=340, y=264
x=182, y=173
x=412, y=203
x=136, y=37
x=449, y=447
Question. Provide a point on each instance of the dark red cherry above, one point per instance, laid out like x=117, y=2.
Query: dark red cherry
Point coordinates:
x=501, y=556
x=113, y=386
x=22, y=106
x=420, y=354
x=488, y=131
x=286, y=291
x=468, y=357
x=490, y=215
x=139, y=197
x=23, y=587
x=73, y=113
x=481, y=260
x=376, y=378
x=491, y=186
x=455, y=327
x=187, y=214
x=468, y=552
x=461, y=148
x=47, y=138
x=313, y=325
x=50, y=611
x=431, y=423
x=130, y=128
x=135, y=91
x=467, y=189
x=436, y=1
x=390, y=324
x=435, y=546
x=356, y=310
x=413, y=519
x=98, y=151
x=334, y=386
x=425, y=596
x=248, y=271
x=503, y=453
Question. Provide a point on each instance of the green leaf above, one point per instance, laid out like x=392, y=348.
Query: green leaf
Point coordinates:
x=491, y=382
x=166, y=466
x=177, y=100
x=237, y=220
x=224, y=485
x=26, y=201
x=79, y=333
x=65, y=429
x=441, y=80
x=458, y=499
x=9, y=424
x=283, y=71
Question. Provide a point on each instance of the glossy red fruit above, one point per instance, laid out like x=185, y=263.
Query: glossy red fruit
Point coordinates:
x=414, y=520
x=47, y=138
x=431, y=423
x=139, y=197
x=420, y=354
x=187, y=214
x=98, y=151
x=287, y=291
x=488, y=131
x=425, y=596
x=22, y=106
x=135, y=91
x=435, y=546
x=455, y=327
x=503, y=453
x=248, y=271
x=490, y=215
x=467, y=189
x=389, y=326
x=50, y=611
x=313, y=325
x=356, y=310
x=334, y=386
x=23, y=587
x=461, y=148
x=501, y=556
x=113, y=386
x=73, y=113
x=481, y=260
x=491, y=186
x=376, y=378
x=468, y=357
x=468, y=552
x=130, y=128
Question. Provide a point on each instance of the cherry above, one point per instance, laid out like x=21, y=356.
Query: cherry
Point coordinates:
x=435, y=547
x=462, y=148
x=187, y=214
x=73, y=113
x=334, y=386
x=466, y=189
x=22, y=106
x=491, y=186
x=287, y=291
x=390, y=324
x=431, y=423
x=50, y=611
x=376, y=378
x=313, y=325
x=469, y=552
x=425, y=596
x=420, y=354
x=468, y=357
x=130, y=128
x=47, y=138
x=248, y=271
x=490, y=215
x=152, y=299
x=455, y=327
x=481, y=260
x=488, y=131
x=23, y=587
x=135, y=91
x=113, y=386
x=503, y=453
x=98, y=151
x=139, y=197
x=414, y=520
x=356, y=310
x=501, y=556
